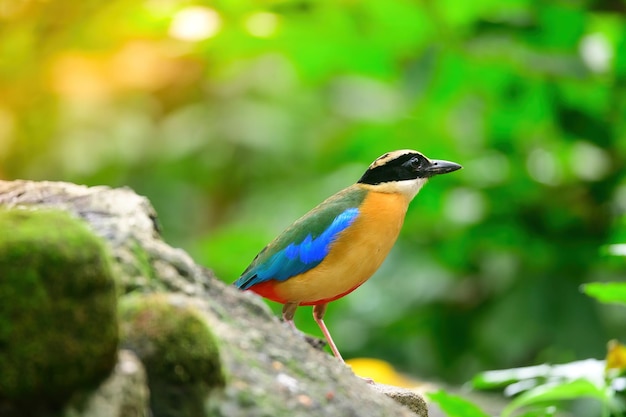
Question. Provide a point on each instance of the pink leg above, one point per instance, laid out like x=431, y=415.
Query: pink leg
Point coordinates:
x=318, y=315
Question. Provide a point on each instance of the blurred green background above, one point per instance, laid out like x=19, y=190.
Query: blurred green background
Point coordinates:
x=237, y=117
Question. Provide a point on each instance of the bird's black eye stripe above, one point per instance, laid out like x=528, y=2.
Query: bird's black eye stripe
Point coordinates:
x=398, y=169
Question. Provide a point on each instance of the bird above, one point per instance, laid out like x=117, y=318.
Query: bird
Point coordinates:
x=338, y=245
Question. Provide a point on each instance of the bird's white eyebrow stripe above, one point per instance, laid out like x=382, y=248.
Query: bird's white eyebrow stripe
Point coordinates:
x=380, y=160
x=389, y=156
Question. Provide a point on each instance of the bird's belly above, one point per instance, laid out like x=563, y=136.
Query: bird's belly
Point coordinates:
x=354, y=256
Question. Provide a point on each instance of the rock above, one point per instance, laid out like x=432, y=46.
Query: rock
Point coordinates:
x=172, y=339
x=129, y=225
x=55, y=284
x=123, y=394
x=410, y=399
x=268, y=368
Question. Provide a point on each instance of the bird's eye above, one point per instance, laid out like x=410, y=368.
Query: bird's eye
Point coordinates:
x=415, y=162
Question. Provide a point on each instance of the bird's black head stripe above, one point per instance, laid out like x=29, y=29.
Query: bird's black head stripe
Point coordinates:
x=393, y=170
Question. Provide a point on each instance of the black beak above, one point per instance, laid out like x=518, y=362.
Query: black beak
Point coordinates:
x=438, y=167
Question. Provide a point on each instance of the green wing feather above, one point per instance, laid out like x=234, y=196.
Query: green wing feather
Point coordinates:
x=310, y=226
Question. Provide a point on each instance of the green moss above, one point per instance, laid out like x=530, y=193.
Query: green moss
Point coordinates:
x=58, y=318
x=136, y=271
x=178, y=350
x=143, y=264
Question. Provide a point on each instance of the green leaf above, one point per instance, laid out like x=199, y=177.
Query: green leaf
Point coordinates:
x=504, y=377
x=455, y=406
x=549, y=393
x=607, y=292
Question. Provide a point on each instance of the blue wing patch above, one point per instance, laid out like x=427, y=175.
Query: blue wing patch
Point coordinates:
x=298, y=258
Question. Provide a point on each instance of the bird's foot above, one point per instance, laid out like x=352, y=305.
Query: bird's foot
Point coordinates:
x=315, y=342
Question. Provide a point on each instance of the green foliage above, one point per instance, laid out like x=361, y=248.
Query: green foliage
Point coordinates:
x=546, y=389
x=455, y=406
x=539, y=389
x=607, y=292
x=56, y=274
x=546, y=396
x=237, y=130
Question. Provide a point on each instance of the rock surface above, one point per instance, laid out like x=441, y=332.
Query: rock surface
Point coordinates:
x=123, y=394
x=267, y=368
x=406, y=397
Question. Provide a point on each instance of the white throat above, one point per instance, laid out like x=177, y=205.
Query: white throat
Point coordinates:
x=408, y=188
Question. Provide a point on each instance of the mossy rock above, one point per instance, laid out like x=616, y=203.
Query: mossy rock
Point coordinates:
x=58, y=314
x=177, y=348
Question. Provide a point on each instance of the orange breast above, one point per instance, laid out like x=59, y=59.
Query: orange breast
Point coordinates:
x=353, y=257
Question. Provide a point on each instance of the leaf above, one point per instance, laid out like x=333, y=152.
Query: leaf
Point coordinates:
x=550, y=393
x=607, y=292
x=504, y=377
x=455, y=406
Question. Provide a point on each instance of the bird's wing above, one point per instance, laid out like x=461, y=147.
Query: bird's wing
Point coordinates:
x=305, y=244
